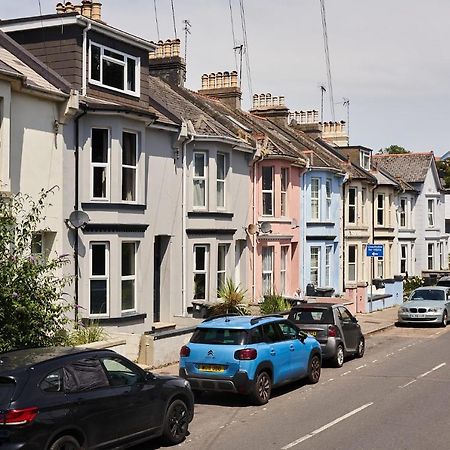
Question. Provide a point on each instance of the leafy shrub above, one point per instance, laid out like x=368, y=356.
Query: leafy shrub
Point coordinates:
x=32, y=307
x=232, y=300
x=85, y=334
x=274, y=303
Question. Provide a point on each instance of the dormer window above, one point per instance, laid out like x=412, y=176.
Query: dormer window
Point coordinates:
x=364, y=159
x=114, y=70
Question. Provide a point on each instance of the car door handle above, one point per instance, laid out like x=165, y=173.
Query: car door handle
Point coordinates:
x=272, y=352
x=291, y=348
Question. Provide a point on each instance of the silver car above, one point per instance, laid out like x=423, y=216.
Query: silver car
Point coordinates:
x=426, y=305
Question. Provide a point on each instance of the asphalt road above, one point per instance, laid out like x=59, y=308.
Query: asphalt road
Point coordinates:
x=396, y=397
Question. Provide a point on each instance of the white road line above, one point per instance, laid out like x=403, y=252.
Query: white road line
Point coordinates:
x=325, y=427
x=360, y=367
x=407, y=384
x=346, y=373
x=375, y=360
x=432, y=370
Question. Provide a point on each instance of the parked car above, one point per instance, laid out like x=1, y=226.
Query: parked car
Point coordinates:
x=67, y=398
x=444, y=281
x=426, y=305
x=249, y=355
x=336, y=329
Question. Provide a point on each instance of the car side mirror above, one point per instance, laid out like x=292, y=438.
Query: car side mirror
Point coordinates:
x=354, y=320
x=302, y=336
x=149, y=376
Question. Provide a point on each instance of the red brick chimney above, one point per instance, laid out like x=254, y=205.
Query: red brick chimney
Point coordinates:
x=165, y=62
x=223, y=86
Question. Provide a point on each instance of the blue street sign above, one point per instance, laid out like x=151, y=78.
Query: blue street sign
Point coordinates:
x=375, y=250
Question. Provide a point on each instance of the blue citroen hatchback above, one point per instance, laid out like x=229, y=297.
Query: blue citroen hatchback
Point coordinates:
x=249, y=355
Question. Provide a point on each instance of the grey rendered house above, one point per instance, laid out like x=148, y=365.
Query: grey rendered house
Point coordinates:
x=421, y=207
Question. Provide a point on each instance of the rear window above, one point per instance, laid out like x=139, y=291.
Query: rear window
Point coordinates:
x=312, y=315
x=7, y=388
x=220, y=336
x=428, y=294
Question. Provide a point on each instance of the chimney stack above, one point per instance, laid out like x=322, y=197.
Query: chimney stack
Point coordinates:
x=96, y=12
x=264, y=105
x=88, y=8
x=166, y=63
x=224, y=86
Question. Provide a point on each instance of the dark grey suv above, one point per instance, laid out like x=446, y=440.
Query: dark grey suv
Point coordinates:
x=70, y=399
x=336, y=329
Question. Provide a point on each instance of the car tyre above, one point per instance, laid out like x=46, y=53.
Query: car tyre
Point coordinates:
x=444, y=319
x=314, y=369
x=65, y=443
x=338, y=359
x=262, y=388
x=361, y=347
x=176, y=423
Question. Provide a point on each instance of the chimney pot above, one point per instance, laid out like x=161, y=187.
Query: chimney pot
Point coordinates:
x=69, y=7
x=219, y=80
x=78, y=9
x=60, y=8
x=86, y=8
x=224, y=87
x=96, y=11
x=205, y=81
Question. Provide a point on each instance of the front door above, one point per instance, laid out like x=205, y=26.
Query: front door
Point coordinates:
x=160, y=274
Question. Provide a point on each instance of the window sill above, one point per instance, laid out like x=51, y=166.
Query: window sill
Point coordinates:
x=211, y=214
x=125, y=319
x=325, y=223
x=113, y=206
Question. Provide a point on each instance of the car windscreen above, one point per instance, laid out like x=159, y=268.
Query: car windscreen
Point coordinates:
x=7, y=388
x=428, y=294
x=219, y=336
x=312, y=316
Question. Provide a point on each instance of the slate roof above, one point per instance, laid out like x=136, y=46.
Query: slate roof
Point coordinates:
x=409, y=167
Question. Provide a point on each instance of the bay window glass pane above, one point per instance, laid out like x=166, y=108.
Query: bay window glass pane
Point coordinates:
x=98, y=260
x=131, y=75
x=113, y=74
x=98, y=296
x=128, y=184
x=267, y=204
x=200, y=286
x=128, y=294
x=95, y=63
x=199, y=165
x=129, y=149
x=112, y=54
x=200, y=258
x=199, y=193
x=99, y=145
x=128, y=258
x=99, y=182
x=267, y=178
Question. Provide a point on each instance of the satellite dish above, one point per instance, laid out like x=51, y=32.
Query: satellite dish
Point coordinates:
x=265, y=227
x=78, y=219
x=252, y=229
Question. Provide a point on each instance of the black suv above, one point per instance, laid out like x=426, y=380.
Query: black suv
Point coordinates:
x=68, y=399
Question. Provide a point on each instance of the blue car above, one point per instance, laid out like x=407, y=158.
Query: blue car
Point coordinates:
x=249, y=355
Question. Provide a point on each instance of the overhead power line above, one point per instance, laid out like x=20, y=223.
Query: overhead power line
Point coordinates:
x=156, y=20
x=247, y=56
x=235, y=45
x=327, y=56
x=173, y=19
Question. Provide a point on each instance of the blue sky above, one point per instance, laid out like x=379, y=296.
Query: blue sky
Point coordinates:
x=389, y=57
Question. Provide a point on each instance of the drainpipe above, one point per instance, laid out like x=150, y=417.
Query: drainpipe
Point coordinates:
x=344, y=196
x=76, y=208
x=84, y=60
x=186, y=142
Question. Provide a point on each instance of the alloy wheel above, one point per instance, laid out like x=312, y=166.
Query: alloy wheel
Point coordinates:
x=315, y=369
x=264, y=387
x=178, y=421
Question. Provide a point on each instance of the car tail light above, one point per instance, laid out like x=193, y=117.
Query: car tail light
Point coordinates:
x=20, y=416
x=185, y=351
x=332, y=331
x=245, y=354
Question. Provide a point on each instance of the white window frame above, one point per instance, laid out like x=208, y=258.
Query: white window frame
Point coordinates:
x=204, y=272
x=352, y=263
x=284, y=257
x=222, y=181
x=268, y=191
x=267, y=251
x=200, y=178
x=314, y=268
x=131, y=277
x=403, y=223
x=354, y=205
x=363, y=205
x=124, y=64
x=364, y=159
x=284, y=186
x=430, y=256
x=99, y=277
x=222, y=264
x=380, y=267
x=380, y=209
x=403, y=258
x=315, y=199
x=105, y=165
x=130, y=167
x=328, y=254
x=430, y=212
x=328, y=194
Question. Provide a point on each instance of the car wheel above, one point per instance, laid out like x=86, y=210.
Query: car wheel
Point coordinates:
x=65, y=443
x=444, y=319
x=176, y=423
x=338, y=360
x=314, y=369
x=361, y=347
x=262, y=388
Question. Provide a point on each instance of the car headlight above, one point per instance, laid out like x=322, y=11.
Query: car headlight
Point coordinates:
x=403, y=309
x=435, y=309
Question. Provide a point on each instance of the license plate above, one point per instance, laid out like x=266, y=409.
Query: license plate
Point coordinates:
x=418, y=316
x=211, y=368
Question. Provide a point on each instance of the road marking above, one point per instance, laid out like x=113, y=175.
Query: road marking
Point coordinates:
x=325, y=427
x=407, y=384
x=389, y=354
x=360, y=367
x=346, y=373
x=375, y=360
x=432, y=370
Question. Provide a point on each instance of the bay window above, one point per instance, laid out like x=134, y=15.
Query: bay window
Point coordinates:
x=267, y=190
x=99, y=163
x=129, y=166
x=99, y=279
x=128, y=279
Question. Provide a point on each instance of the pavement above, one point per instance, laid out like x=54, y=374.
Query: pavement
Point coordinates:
x=370, y=323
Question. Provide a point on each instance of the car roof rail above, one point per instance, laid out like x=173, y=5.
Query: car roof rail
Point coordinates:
x=220, y=316
x=257, y=319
